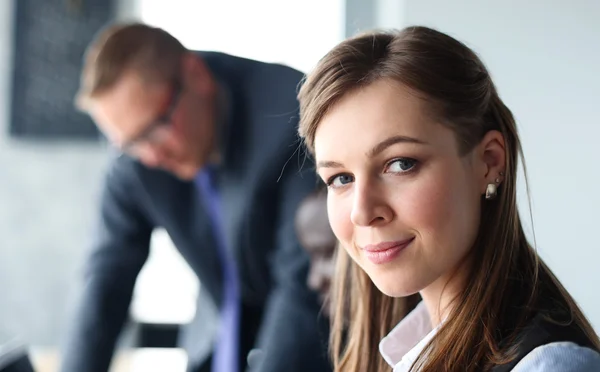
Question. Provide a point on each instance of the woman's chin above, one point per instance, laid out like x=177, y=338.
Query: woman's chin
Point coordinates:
x=394, y=289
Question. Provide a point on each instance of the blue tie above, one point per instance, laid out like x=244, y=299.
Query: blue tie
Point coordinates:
x=226, y=356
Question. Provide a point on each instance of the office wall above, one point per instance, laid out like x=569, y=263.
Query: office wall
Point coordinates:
x=295, y=33
x=47, y=192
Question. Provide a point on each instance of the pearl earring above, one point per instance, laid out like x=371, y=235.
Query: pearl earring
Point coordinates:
x=491, y=191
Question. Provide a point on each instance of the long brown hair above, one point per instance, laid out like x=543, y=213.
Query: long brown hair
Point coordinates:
x=508, y=283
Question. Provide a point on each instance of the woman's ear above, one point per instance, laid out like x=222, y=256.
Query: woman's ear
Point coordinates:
x=492, y=157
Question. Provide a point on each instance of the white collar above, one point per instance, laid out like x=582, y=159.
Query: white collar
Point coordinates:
x=403, y=345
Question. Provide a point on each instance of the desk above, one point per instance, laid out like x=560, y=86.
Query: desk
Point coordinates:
x=133, y=360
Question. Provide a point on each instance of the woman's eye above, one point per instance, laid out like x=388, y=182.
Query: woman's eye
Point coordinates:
x=401, y=165
x=340, y=180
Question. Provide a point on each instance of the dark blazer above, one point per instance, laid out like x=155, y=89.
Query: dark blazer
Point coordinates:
x=540, y=331
x=262, y=179
x=14, y=357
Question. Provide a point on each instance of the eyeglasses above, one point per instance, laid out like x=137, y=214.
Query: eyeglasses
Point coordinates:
x=154, y=132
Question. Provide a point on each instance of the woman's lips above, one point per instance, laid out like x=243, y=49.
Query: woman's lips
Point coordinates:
x=385, y=252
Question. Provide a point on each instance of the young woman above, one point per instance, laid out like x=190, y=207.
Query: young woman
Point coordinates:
x=420, y=157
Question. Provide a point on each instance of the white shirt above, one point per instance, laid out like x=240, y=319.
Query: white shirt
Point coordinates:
x=403, y=345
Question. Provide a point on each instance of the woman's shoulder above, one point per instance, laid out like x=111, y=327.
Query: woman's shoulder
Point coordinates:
x=560, y=356
x=552, y=338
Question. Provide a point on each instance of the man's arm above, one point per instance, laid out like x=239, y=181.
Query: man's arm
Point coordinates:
x=293, y=334
x=120, y=249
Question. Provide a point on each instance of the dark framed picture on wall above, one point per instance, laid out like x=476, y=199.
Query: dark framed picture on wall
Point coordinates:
x=49, y=42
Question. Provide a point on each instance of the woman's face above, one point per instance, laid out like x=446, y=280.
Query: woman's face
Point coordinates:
x=402, y=200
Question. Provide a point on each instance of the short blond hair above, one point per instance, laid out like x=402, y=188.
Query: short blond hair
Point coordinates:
x=150, y=51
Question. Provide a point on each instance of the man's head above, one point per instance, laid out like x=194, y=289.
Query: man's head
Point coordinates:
x=151, y=97
x=317, y=238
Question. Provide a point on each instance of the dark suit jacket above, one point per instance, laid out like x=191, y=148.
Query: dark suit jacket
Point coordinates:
x=262, y=179
x=14, y=356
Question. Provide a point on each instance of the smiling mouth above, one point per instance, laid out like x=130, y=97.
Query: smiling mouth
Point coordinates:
x=385, y=252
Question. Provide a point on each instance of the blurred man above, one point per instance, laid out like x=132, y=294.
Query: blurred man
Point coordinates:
x=317, y=238
x=206, y=141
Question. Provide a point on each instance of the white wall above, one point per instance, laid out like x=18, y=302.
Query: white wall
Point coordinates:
x=296, y=33
x=545, y=59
